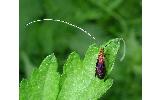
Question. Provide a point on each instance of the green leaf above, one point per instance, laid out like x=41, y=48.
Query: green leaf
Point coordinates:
x=78, y=80
x=111, y=49
x=43, y=83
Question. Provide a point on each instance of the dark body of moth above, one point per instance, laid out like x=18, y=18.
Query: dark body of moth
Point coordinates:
x=100, y=65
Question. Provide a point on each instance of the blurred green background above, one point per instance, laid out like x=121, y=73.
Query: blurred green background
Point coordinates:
x=104, y=19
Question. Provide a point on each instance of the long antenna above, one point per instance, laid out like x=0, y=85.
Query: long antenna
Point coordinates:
x=56, y=20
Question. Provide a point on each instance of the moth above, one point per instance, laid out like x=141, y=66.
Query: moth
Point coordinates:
x=100, y=65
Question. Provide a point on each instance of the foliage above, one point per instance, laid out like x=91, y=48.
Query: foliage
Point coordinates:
x=104, y=19
x=78, y=81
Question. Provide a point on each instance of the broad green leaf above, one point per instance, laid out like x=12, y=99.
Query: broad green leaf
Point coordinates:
x=76, y=83
x=78, y=80
x=83, y=85
x=43, y=83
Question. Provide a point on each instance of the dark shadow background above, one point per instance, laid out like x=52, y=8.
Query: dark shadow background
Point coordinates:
x=104, y=19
